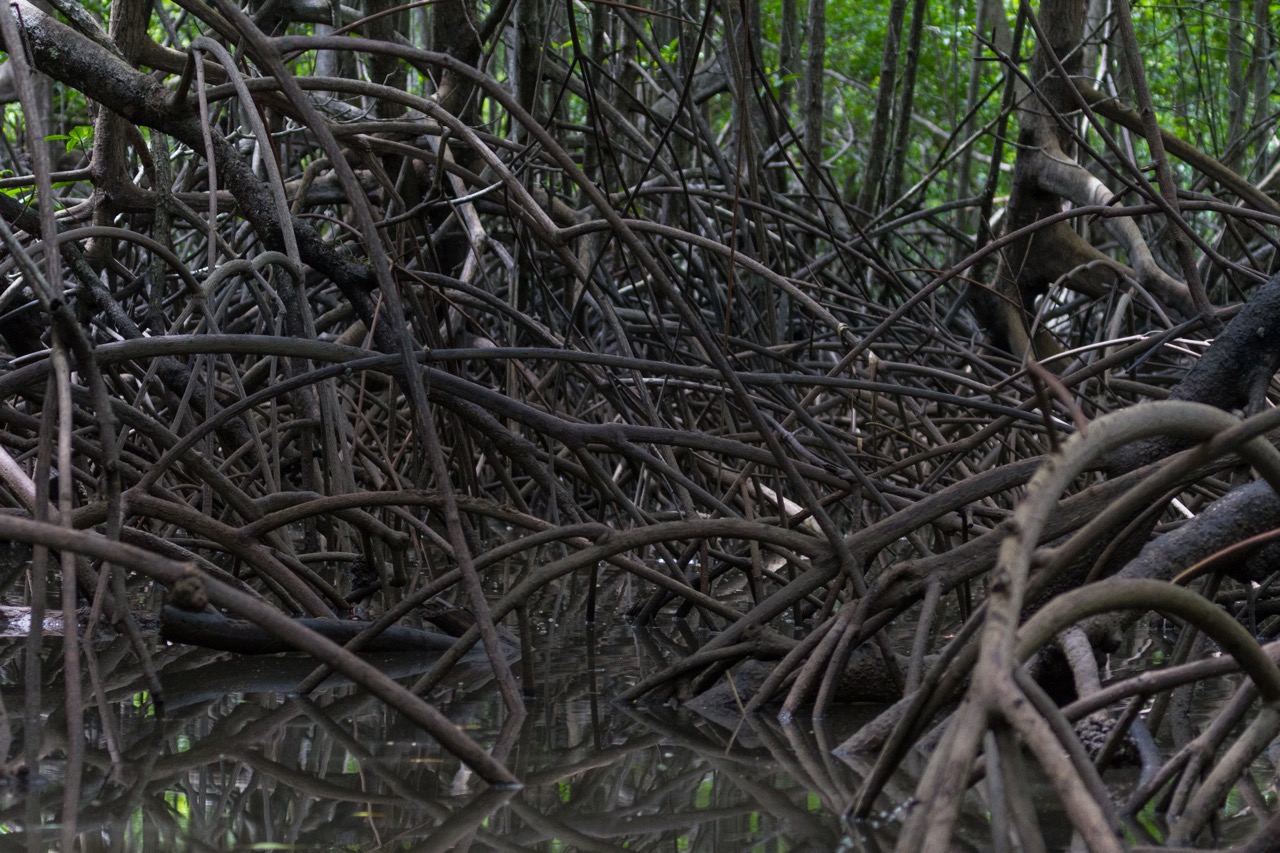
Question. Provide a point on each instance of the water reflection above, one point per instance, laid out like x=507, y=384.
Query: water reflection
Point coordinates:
x=236, y=763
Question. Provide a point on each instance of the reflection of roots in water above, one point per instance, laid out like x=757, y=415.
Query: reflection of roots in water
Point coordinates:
x=337, y=769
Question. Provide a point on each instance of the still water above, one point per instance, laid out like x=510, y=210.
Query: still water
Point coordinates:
x=238, y=763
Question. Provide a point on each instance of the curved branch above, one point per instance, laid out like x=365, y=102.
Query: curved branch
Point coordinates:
x=1162, y=597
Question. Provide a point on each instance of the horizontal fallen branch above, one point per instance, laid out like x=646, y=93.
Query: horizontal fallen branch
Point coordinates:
x=240, y=636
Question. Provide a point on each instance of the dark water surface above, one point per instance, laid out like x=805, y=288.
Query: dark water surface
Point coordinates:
x=237, y=763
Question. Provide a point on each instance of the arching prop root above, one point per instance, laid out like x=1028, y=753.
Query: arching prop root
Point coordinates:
x=998, y=695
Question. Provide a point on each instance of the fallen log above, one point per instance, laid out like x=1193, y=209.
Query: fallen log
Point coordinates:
x=212, y=631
